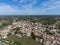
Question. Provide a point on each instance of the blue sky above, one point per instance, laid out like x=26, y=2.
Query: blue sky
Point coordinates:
x=29, y=7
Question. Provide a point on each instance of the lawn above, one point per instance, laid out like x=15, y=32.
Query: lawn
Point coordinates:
x=24, y=40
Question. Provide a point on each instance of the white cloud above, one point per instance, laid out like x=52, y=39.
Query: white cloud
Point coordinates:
x=14, y=0
x=23, y=3
x=9, y=10
x=51, y=3
x=50, y=7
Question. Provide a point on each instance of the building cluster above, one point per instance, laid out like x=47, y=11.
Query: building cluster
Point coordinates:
x=46, y=34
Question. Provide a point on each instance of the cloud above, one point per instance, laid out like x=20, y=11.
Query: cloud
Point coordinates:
x=26, y=3
x=27, y=7
x=7, y=9
x=51, y=7
x=51, y=3
x=10, y=10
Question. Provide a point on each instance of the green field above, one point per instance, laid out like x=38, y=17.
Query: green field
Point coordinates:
x=23, y=40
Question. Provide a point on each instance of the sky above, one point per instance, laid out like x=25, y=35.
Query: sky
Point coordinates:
x=29, y=7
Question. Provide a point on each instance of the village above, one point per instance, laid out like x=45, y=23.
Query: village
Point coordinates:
x=45, y=34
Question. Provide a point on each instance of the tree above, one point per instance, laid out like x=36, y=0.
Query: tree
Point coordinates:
x=16, y=43
x=33, y=36
x=8, y=34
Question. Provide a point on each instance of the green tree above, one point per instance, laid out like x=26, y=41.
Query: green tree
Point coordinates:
x=33, y=36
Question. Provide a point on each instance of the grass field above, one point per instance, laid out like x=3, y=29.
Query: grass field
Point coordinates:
x=23, y=40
